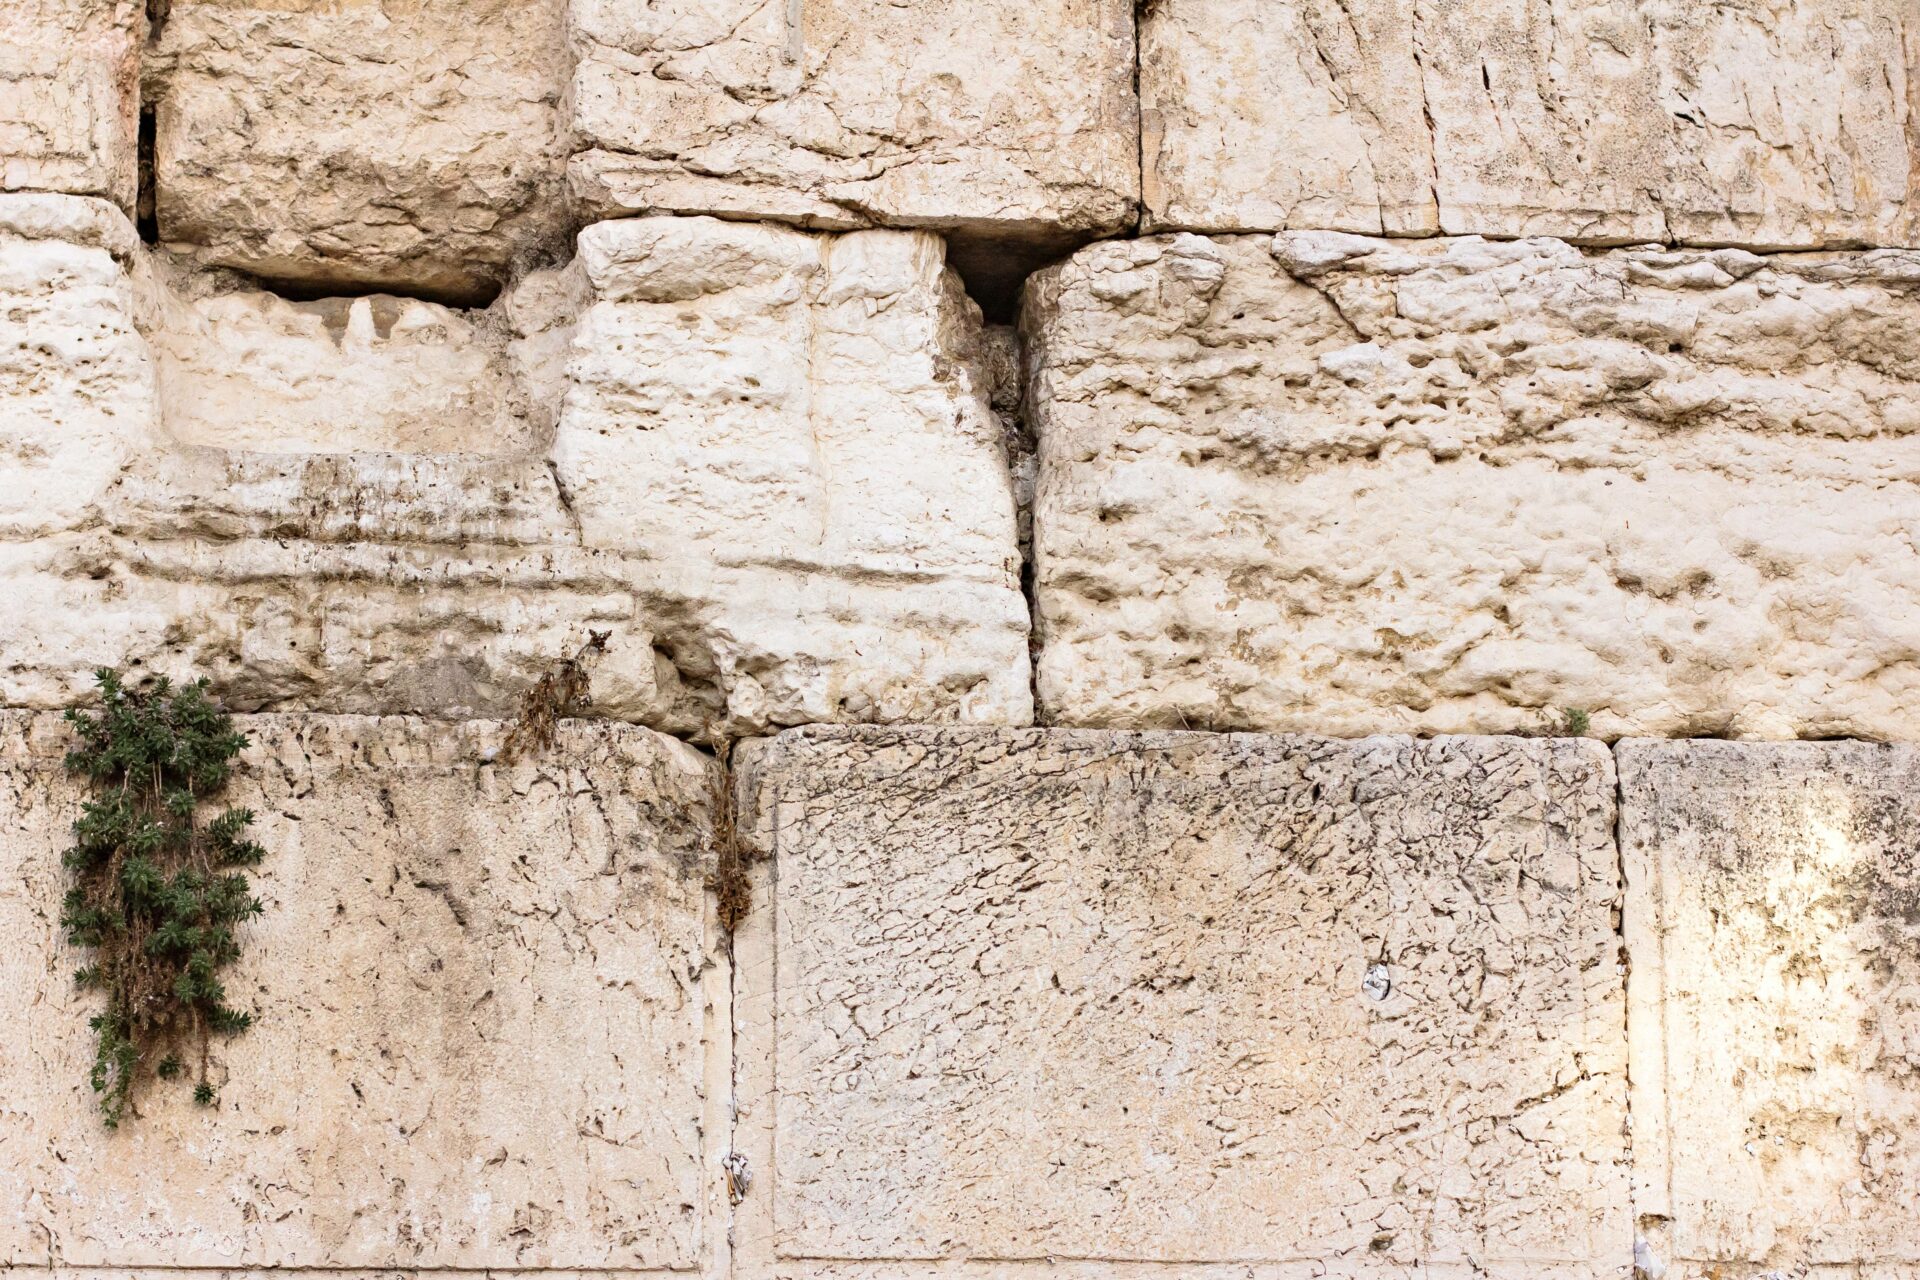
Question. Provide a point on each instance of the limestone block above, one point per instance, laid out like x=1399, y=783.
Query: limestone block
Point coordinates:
x=1761, y=125
x=765, y=460
x=76, y=379
x=1353, y=485
x=412, y=146
x=490, y=1016
x=1310, y=1006
x=799, y=428
x=240, y=368
x=70, y=96
x=1773, y=923
x=1009, y=121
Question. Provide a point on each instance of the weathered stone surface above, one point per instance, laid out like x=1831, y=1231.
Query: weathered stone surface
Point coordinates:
x=1763, y=125
x=411, y=144
x=1458, y=485
x=1180, y=999
x=765, y=459
x=1773, y=922
x=69, y=96
x=1005, y=120
x=802, y=422
x=490, y=1016
x=76, y=380
x=243, y=369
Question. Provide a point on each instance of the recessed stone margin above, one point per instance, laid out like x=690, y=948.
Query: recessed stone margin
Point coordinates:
x=1051, y=1001
x=492, y=1020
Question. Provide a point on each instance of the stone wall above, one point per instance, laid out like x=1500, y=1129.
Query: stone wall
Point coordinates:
x=1244, y=1004
x=1020, y=452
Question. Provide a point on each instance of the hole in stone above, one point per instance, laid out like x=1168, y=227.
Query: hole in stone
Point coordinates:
x=145, y=217
x=995, y=265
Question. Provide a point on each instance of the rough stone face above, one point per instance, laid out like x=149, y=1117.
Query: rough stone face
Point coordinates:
x=1773, y=920
x=766, y=460
x=243, y=369
x=411, y=144
x=1354, y=485
x=1009, y=120
x=69, y=96
x=1762, y=125
x=76, y=379
x=490, y=1016
x=1182, y=999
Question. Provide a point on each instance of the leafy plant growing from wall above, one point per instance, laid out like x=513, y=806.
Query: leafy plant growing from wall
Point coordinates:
x=157, y=893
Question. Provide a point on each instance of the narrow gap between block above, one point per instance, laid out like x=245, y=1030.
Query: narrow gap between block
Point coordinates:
x=145, y=217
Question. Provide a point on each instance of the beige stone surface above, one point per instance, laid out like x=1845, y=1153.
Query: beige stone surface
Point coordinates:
x=1291, y=1003
x=795, y=432
x=1011, y=120
x=1773, y=923
x=240, y=368
x=77, y=395
x=414, y=145
x=70, y=96
x=1346, y=485
x=766, y=460
x=490, y=1016
x=1765, y=125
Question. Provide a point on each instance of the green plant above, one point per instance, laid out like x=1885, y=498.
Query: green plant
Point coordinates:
x=157, y=892
x=1577, y=721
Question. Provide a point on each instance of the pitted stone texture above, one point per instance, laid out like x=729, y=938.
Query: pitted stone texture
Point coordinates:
x=1773, y=922
x=243, y=369
x=765, y=460
x=76, y=379
x=1771, y=125
x=70, y=96
x=411, y=144
x=1457, y=486
x=1015, y=120
x=1178, y=999
x=490, y=1024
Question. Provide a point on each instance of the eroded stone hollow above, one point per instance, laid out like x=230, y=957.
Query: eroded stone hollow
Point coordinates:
x=1163, y=569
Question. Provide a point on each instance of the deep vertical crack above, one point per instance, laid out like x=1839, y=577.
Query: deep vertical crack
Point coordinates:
x=146, y=218
x=1140, y=10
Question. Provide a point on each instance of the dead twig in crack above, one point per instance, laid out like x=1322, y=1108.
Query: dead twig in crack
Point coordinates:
x=565, y=690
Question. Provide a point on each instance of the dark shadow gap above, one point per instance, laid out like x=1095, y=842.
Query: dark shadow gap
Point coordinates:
x=145, y=211
x=323, y=290
x=995, y=268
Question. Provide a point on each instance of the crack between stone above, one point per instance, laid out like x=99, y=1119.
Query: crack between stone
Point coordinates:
x=1141, y=10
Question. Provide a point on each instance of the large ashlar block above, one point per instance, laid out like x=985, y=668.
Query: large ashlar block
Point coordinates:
x=413, y=146
x=1327, y=483
x=1104, y=999
x=766, y=460
x=70, y=96
x=1008, y=120
x=1765, y=126
x=491, y=1016
x=1773, y=922
x=77, y=392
